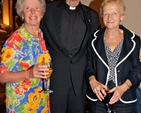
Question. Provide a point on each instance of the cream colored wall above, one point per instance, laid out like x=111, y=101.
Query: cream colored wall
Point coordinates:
x=132, y=17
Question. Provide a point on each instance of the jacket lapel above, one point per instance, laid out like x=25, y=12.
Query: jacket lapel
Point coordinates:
x=57, y=22
x=87, y=21
x=98, y=44
x=128, y=45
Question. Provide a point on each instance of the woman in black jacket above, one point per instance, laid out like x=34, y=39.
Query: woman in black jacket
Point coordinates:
x=113, y=67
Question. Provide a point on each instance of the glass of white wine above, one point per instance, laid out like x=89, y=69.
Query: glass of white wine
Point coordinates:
x=46, y=82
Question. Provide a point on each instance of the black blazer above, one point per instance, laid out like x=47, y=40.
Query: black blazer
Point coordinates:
x=128, y=65
x=64, y=66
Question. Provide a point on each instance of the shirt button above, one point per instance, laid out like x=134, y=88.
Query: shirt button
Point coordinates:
x=119, y=83
x=118, y=71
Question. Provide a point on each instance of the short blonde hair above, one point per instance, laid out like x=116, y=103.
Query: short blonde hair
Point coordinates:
x=105, y=2
x=20, y=5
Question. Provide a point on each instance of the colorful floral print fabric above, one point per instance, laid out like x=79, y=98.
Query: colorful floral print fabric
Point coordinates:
x=20, y=52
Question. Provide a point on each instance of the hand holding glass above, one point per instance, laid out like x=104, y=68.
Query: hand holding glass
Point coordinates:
x=46, y=82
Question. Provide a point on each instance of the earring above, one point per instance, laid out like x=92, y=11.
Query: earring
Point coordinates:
x=22, y=18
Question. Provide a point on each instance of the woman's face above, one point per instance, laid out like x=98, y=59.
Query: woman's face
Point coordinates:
x=32, y=12
x=112, y=15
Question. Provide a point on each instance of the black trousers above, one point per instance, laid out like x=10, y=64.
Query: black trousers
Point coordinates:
x=99, y=107
x=69, y=102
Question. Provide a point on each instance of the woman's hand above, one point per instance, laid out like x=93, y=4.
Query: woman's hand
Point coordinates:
x=118, y=92
x=37, y=71
x=98, y=88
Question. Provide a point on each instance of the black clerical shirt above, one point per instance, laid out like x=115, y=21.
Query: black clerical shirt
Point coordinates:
x=73, y=29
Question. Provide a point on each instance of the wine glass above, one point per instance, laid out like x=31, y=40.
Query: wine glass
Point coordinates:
x=46, y=82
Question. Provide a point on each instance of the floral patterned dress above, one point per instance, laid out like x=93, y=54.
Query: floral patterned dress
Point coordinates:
x=20, y=52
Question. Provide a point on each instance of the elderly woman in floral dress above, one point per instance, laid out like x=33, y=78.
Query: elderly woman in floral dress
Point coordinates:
x=20, y=68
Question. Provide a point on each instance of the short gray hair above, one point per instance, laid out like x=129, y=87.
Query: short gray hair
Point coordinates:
x=105, y=2
x=20, y=5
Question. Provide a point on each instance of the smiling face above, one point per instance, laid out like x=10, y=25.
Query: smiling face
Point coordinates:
x=112, y=15
x=32, y=12
x=72, y=2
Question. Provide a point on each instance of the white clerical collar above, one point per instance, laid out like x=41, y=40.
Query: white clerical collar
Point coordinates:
x=72, y=7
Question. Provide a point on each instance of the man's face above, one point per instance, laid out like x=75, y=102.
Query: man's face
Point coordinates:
x=72, y=2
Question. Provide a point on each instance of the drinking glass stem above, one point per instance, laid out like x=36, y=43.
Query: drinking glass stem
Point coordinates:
x=46, y=84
